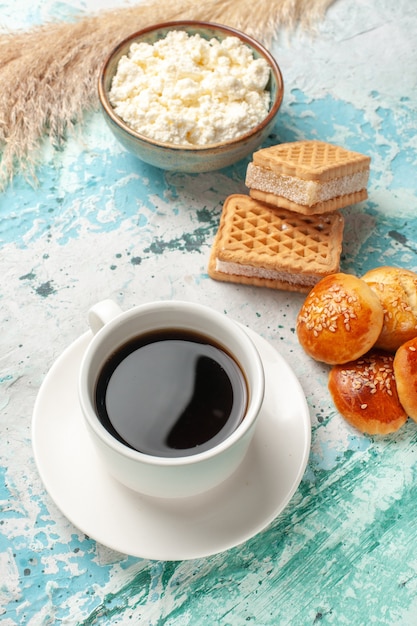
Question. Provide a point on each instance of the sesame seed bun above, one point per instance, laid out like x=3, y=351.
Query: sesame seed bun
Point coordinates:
x=340, y=320
x=397, y=290
x=365, y=394
x=405, y=370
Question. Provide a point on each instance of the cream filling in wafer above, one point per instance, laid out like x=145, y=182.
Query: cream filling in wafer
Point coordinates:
x=305, y=192
x=240, y=269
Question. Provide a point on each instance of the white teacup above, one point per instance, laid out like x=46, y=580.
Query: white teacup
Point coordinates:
x=202, y=467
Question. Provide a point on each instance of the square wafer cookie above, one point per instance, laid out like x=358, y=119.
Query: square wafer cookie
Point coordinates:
x=324, y=206
x=272, y=247
x=308, y=176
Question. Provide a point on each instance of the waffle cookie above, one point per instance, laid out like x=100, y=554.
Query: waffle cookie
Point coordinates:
x=260, y=245
x=308, y=177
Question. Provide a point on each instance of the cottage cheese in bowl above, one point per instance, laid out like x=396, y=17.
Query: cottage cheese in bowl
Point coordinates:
x=191, y=91
x=190, y=96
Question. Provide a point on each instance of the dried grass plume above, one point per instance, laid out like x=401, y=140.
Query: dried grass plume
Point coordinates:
x=48, y=74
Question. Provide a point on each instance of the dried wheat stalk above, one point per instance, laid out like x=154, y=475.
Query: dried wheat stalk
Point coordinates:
x=48, y=74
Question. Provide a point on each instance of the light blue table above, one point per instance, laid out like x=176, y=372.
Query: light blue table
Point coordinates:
x=101, y=224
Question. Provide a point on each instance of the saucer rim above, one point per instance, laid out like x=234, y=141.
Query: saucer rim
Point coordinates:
x=152, y=552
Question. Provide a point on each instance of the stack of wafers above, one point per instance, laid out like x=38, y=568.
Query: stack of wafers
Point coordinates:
x=287, y=233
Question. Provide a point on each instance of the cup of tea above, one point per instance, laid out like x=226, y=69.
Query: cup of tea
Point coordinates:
x=170, y=392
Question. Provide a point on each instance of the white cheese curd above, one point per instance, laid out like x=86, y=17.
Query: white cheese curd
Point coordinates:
x=190, y=91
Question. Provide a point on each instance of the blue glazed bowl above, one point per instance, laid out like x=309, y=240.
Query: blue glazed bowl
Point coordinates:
x=182, y=158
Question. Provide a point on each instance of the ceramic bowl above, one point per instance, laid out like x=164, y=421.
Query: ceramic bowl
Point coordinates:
x=179, y=157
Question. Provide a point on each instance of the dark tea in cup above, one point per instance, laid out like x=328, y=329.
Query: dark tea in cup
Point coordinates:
x=171, y=393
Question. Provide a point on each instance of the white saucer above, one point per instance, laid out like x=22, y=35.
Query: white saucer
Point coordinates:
x=163, y=529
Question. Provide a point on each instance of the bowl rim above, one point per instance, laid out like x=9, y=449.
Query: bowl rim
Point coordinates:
x=183, y=24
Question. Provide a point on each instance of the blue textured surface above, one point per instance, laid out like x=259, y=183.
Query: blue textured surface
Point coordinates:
x=102, y=224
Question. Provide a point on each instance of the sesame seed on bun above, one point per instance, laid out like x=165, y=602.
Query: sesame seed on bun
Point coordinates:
x=397, y=290
x=340, y=320
x=365, y=393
